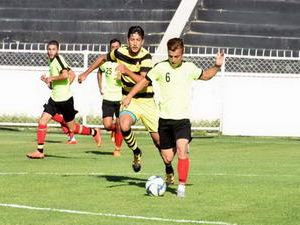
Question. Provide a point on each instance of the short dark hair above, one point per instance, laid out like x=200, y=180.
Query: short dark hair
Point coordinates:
x=175, y=43
x=114, y=40
x=53, y=42
x=135, y=29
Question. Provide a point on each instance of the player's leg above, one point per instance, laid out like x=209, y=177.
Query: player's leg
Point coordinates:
x=182, y=130
x=49, y=110
x=108, y=110
x=127, y=119
x=68, y=111
x=167, y=145
x=128, y=116
x=109, y=125
x=183, y=165
x=58, y=117
x=118, y=137
x=151, y=122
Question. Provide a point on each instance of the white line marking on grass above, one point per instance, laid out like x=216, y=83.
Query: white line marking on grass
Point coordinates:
x=140, y=174
x=114, y=215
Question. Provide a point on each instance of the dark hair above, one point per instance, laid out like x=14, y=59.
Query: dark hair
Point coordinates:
x=114, y=40
x=135, y=29
x=175, y=43
x=53, y=42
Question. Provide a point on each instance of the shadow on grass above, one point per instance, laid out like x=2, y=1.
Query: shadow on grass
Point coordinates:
x=98, y=152
x=55, y=142
x=9, y=129
x=124, y=180
x=58, y=156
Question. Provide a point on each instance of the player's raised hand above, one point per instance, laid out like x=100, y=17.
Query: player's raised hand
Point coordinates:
x=220, y=58
x=82, y=77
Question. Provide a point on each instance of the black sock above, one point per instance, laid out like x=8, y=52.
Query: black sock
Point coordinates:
x=137, y=151
x=169, y=168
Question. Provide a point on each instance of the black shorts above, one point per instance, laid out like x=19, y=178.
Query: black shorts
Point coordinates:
x=66, y=108
x=110, y=108
x=172, y=130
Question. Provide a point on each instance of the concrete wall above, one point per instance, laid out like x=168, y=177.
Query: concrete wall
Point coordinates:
x=246, y=105
x=25, y=94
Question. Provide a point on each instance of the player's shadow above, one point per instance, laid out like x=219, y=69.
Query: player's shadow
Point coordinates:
x=98, y=152
x=124, y=180
x=58, y=156
x=52, y=141
x=10, y=129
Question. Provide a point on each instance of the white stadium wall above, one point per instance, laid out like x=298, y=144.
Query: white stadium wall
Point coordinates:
x=23, y=93
x=245, y=105
x=261, y=106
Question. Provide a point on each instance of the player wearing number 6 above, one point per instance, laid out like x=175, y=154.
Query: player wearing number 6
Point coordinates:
x=174, y=78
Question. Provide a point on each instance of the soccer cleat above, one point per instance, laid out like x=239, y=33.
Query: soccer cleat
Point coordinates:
x=72, y=140
x=181, y=191
x=116, y=153
x=170, y=179
x=97, y=138
x=35, y=155
x=136, y=163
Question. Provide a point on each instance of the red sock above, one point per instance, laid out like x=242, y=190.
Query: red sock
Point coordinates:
x=80, y=129
x=118, y=139
x=65, y=129
x=58, y=118
x=41, y=134
x=183, y=170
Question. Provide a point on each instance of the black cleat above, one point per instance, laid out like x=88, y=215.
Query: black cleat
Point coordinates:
x=136, y=163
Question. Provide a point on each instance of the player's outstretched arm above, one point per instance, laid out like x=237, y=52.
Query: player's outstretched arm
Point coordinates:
x=136, y=89
x=71, y=76
x=99, y=79
x=124, y=70
x=211, y=72
x=101, y=59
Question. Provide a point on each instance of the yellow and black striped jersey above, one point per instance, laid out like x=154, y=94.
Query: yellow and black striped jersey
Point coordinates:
x=142, y=62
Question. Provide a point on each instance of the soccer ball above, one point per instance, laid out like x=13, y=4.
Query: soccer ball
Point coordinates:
x=156, y=186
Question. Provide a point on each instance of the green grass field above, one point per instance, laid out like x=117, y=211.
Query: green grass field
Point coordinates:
x=233, y=180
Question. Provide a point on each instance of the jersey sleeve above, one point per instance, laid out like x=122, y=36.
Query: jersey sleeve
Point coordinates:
x=153, y=74
x=62, y=64
x=194, y=71
x=146, y=63
x=102, y=68
x=111, y=56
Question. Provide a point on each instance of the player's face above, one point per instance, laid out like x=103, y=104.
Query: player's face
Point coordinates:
x=175, y=57
x=135, y=43
x=52, y=51
x=114, y=45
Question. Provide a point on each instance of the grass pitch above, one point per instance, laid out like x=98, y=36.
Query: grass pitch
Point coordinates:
x=233, y=180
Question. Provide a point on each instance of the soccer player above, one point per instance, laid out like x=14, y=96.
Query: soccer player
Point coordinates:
x=61, y=101
x=174, y=78
x=135, y=61
x=112, y=96
x=58, y=117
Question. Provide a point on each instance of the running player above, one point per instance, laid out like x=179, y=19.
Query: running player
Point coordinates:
x=174, y=77
x=135, y=61
x=58, y=117
x=61, y=101
x=112, y=96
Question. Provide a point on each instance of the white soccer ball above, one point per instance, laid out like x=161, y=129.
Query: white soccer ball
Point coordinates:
x=156, y=186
